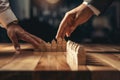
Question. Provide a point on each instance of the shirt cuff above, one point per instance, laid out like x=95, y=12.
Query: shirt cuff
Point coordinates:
x=95, y=10
x=7, y=17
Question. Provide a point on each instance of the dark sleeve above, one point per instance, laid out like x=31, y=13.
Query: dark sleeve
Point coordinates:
x=101, y=5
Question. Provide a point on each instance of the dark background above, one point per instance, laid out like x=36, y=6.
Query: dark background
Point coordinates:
x=42, y=18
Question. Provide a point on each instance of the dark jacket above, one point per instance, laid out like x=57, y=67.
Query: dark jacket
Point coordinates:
x=101, y=5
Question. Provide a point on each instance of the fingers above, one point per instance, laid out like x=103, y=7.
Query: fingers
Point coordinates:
x=26, y=37
x=65, y=32
x=35, y=41
x=63, y=26
x=15, y=33
x=36, y=38
x=61, y=29
x=69, y=32
x=14, y=40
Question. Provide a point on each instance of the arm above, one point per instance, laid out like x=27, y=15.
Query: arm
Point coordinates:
x=15, y=32
x=101, y=5
x=72, y=19
x=80, y=15
x=6, y=15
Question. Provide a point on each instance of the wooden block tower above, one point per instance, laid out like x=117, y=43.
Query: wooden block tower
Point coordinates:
x=75, y=55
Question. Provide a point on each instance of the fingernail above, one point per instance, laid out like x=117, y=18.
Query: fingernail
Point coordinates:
x=67, y=34
x=56, y=36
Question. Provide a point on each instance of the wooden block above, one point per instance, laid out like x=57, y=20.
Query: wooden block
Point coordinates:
x=53, y=46
x=48, y=46
x=75, y=55
x=59, y=44
x=64, y=43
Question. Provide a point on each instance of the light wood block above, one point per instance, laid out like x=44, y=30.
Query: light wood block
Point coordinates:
x=53, y=46
x=64, y=43
x=75, y=55
x=59, y=45
x=48, y=46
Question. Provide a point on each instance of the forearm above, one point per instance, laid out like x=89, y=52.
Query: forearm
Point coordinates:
x=6, y=14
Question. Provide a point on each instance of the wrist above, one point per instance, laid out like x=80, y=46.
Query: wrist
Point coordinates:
x=6, y=17
x=12, y=23
x=94, y=9
x=84, y=9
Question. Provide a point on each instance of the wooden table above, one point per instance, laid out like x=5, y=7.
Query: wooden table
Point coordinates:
x=103, y=63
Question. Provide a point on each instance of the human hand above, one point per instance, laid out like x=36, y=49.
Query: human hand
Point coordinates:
x=72, y=19
x=15, y=33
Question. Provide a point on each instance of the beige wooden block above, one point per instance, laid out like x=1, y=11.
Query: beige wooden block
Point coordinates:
x=75, y=55
x=64, y=43
x=53, y=46
x=59, y=44
x=48, y=46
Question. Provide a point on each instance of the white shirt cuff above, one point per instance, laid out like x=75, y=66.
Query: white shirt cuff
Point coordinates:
x=95, y=10
x=7, y=17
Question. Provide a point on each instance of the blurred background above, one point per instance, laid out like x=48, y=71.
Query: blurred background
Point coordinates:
x=42, y=18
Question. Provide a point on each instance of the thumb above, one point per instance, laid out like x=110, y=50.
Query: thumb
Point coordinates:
x=69, y=32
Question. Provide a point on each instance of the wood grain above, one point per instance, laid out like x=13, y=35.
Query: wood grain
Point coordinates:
x=110, y=59
x=101, y=48
x=102, y=63
x=54, y=61
x=26, y=61
x=99, y=69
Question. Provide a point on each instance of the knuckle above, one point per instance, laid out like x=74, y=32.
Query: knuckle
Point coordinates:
x=67, y=13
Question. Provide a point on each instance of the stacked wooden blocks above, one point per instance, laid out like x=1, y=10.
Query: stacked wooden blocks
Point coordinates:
x=54, y=46
x=75, y=55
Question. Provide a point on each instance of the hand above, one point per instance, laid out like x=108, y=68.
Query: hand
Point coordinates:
x=72, y=19
x=15, y=33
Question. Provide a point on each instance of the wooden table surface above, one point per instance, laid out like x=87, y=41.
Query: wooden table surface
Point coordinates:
x=103, y=63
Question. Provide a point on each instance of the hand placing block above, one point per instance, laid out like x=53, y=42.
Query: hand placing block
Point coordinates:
x=75, y=55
